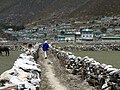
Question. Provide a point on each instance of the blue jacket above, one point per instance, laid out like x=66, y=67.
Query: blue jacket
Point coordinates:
x=45, y=47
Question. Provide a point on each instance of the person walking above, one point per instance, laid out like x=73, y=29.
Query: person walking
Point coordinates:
x=45, y=47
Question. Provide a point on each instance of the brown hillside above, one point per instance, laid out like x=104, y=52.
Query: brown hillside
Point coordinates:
x=62, y=8
x=7, y=36
x=27, y=11
x=21, y=11
x=98, y=8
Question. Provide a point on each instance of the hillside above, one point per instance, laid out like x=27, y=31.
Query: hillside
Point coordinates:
x=7, y=36
x=27, y=11
x=21, y=11
x=98, y=8
x=60, y=8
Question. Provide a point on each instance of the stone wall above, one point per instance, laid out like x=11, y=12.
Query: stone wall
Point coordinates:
x=25, y=73
x=100, y=76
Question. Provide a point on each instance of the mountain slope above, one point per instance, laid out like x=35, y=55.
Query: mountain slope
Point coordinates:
x=27, y=11
x=98, y=8
x=21, y=11
x=7, y=36
x=60, y=8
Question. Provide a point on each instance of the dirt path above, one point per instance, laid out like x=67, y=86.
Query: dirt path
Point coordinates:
x=57, y=78
x=72, y=82
x=56, y=85
x=54, y=82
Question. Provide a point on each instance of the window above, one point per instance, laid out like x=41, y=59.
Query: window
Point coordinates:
x=90, y=35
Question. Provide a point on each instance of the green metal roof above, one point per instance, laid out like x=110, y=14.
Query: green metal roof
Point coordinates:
x=70, y=32
x=98, y=32
x=43, y=32
x=59, y=36
x=111, y=37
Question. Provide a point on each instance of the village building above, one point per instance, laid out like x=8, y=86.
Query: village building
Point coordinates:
x=114, y=38
x=97, y=34
x=59, y=37
x=87, y=35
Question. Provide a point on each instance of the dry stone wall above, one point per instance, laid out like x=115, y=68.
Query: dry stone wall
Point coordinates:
x=25, y=73
x=100, y=76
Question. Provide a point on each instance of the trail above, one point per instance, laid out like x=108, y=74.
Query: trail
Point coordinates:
x=55, y=74
x=49, y=73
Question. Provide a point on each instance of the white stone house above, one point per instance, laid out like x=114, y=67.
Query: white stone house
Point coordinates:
x=87, y=35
